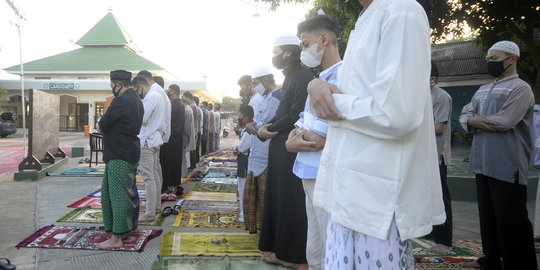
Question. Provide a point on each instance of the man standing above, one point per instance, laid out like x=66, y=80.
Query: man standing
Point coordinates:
x=380, y=154
x=442, y=113
x=211, y=129
x=199, y=130
x=217, y=122
x=318, y=37
x=188, y=97
x=284, y=228
x=151, y=138
x=187, y=141
x=120, y=125
x=204, y=135
x=500, y=115
x=245, y=116
x=171, y=152
x=254, y=190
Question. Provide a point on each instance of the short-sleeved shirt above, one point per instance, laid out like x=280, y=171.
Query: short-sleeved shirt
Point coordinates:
x=442, y=113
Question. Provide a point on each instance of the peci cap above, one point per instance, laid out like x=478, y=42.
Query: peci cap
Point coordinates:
x=260, y=71
x=121, y=75
x=286, y=39
x=505, y=46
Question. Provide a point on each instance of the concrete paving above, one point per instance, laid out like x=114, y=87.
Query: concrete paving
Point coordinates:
x=26, y=206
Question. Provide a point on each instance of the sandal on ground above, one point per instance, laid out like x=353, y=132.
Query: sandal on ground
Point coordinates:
x=167, y=211
x=5, y=264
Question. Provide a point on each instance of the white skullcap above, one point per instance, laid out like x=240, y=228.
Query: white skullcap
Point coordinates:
x=286, y=39
x=260, y=71
x=505, y=46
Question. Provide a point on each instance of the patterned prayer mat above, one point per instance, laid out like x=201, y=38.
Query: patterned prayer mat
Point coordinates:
x=89, y=215
x=140, y=189
x=209, y=244
x=208, y=220
x=81, y=172
x=215, y=187
x=210, y=196
x=462, y=251
x=221, y=175
x=219, y=164
x=208, y=206
x=173, y=263
x=227, y=181
x=91, y=202
x=67, y=237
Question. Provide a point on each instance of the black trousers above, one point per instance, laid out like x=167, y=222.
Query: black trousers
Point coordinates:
x=198, y=149
x=203, y=146
x=505, y=228
x=442, y=234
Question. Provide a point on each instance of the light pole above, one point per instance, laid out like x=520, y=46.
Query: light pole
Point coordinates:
x=20, y=17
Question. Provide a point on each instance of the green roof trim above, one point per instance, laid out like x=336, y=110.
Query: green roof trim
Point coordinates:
x=90, y=59
x=107, y=32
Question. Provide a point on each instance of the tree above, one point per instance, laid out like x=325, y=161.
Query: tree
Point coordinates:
x=491, y=20
x=230, y=104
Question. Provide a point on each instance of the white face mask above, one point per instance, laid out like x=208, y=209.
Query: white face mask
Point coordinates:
x=310, y=57
x=259, y=89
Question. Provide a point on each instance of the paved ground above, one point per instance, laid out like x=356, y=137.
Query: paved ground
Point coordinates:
x=26, y=206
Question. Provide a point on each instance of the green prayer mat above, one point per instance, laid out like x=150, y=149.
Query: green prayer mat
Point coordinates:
x=215, y=187
x=208, y=220
x=224, y=263
x=209, y=244
x=89, y=215
x=82, y=172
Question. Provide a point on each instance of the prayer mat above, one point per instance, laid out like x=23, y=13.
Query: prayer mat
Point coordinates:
x=208, y=206
x=210, y=196
x=462, y=251
x=215, y=187
x=221, y=175
x=209, y=244
x=140, y=190
x=208, y=220
x=89, y=215
x=220, y=164
x=173, y=263
x=67, y=237
x=81, y=172
x=91, y=202
x=227, y=181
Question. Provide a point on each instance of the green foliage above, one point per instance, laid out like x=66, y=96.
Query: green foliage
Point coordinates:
x=3, y=91
x=230, y=104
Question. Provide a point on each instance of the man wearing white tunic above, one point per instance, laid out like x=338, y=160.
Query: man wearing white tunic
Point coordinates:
x=378, y=177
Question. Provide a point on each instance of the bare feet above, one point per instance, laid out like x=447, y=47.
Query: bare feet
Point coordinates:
x=113, y=242
x=270, y=257
x=473, y=264
x=439, y=248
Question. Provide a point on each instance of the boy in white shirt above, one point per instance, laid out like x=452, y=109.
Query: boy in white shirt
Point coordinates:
x=246, y=140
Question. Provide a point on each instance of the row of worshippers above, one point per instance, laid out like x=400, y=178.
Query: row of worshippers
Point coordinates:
x=156, y=132
x=331, y=180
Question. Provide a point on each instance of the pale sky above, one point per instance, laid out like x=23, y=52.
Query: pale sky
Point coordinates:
x=219, y=39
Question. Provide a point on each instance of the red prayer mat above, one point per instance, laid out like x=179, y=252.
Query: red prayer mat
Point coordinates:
x=68, y=237
x=92, y=202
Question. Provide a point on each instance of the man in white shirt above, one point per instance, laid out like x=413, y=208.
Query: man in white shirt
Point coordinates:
x=245, y=116
x=318, y=38
x=378, y=178
x=217, y=122
x=258, y=156
x=151, y=140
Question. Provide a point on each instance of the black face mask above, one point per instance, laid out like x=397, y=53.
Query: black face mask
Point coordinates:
x=496, y=68
x=140, y=93
x=278, y=61
x=116, y=89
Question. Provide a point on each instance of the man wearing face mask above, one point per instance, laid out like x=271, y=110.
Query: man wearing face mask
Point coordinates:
x=151, y=139
x=284, y=230
x=120, y=126
x=258, y=158
x=500, y=115
x=318, y=37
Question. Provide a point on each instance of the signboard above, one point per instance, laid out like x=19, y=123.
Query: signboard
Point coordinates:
x=61, y=86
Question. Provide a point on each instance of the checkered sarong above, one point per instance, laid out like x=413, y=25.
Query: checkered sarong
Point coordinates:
x=254, y=201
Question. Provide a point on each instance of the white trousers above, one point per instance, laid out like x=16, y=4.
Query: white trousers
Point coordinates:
x=316, y=234
x=150, y=172
x=351, y=250
x=241, y=186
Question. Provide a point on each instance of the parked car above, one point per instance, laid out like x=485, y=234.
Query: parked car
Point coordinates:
x=7, y=124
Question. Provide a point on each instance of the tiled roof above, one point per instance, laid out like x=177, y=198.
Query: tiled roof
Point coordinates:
x=90, y=59
x=458, y=59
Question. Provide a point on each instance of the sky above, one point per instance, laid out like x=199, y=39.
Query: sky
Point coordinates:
x=219, y=40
